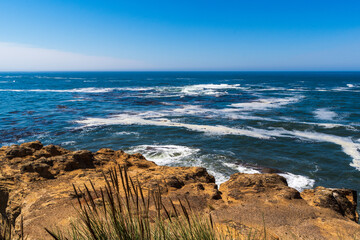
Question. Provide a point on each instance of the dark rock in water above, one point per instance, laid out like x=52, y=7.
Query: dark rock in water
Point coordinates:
x=269, y=170
x=261, y=169
x=61, y=107
x=28, y=113
x=149, y=102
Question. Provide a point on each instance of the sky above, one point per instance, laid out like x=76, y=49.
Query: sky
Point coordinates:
x=197, y=35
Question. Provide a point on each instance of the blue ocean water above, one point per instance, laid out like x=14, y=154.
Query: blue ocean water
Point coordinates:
x=305, y=124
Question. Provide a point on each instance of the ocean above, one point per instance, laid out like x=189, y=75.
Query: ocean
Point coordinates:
x=306, y=125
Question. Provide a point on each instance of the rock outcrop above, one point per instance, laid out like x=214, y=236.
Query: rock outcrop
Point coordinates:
x=36, y=183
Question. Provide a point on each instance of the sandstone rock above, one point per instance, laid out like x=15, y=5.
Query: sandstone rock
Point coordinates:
x=273, y=186
x=172, y=181
x=16, y=151
x=41, y=168
x=36, y=182
x=37, y=145
x=343, y=201
x=50, y=151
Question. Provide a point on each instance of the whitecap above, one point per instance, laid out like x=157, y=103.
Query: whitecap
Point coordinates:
x=126, y=119
x=74, y=90
x=126, y=133
x=348, y=146
x=68, y=143
x=325, y=114
x=208, y=89
x=266, y=103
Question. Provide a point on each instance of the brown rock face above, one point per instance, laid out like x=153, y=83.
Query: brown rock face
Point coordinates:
x=36, y=183
x=342, y=201
x=270, y=185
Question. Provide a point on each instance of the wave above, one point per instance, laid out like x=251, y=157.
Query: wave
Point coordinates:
x=11, y=76
x=267, y=103
x=208, y=89
x=126, y=133
x=164, y=154
x=325, y=114
x=176, y=155
x=299, y=182
x=239, y=114
x=169, y=91
x=126, y=119
x=74, y=90
x=348, y=146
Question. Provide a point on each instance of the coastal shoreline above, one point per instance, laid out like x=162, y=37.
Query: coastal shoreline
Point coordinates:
x=36, y=184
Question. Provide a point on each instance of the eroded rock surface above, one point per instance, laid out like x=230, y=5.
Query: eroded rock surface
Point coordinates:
x=36, y=183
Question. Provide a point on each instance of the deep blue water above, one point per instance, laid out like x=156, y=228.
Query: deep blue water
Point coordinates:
x=304, y=124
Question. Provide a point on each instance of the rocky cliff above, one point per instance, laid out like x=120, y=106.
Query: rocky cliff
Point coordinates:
x=36, y=183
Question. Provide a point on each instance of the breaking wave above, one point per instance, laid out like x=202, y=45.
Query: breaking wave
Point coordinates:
x=299, y=182
x=164, y=154
x=325, y=114
x=348, y=146
x=267, y=103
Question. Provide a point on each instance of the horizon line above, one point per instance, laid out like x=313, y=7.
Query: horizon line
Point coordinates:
x=119, y=71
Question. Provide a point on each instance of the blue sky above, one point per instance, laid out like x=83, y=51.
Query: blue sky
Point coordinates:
x=179, y=35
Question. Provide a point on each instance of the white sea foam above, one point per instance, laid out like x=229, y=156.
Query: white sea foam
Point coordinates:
x=219, y=177
x=68, y=143
x=125, y=119
x=240, y=168
x=299, y=182
x=176, y=155
x=348, y=146
x=267, y=103
x=164, y=154
x=325, y=114
x=350, y=85
x=74, y=90
x=126, y=133
x=168, y=91
x=208, y=89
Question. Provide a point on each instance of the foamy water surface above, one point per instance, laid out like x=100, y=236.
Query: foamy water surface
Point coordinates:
x=305, y=125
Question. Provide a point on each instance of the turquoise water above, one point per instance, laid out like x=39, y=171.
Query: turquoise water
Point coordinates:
x=306, y=125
